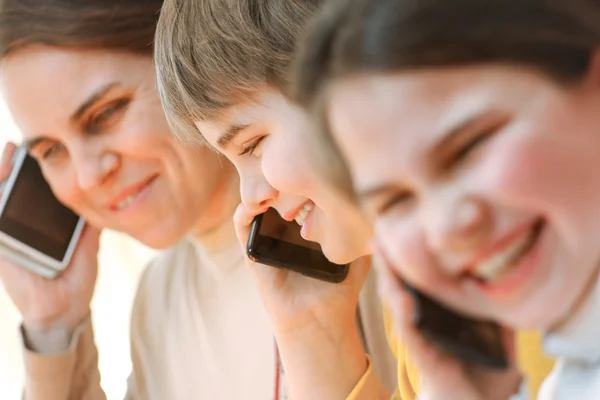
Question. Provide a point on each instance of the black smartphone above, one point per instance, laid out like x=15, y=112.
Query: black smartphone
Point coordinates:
x=276, y=242
x=471, y=340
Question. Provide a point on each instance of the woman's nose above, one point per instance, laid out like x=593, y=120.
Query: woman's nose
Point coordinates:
x=94, y=171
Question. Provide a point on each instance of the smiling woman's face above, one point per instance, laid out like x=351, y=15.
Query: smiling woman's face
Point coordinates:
x=483, y=184
x=265, y=141
x=95, y=123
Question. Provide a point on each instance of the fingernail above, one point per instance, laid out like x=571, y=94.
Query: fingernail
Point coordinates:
x=4, y=159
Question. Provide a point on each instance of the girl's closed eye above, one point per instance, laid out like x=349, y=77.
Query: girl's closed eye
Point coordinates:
x=475, y=143
x=250, y=147
x=469, y=148
x=394, y=201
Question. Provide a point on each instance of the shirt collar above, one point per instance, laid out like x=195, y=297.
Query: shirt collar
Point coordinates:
x=579, y=337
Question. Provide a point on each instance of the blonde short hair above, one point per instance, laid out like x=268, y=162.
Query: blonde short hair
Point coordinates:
x=210, y=54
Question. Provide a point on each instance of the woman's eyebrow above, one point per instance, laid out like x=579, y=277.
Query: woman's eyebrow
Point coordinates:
x=94, y=98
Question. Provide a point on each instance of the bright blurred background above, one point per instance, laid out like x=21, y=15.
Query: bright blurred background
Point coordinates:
x=121, y=261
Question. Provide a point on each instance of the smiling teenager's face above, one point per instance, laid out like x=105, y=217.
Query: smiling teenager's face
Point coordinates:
x=264, y=140
x=95, y=123
x=483, y=184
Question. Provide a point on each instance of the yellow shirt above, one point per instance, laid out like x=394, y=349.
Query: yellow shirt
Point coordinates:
x=531, y=358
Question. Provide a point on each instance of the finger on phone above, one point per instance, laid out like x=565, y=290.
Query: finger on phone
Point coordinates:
x=242, y=220
x=90, y=237
x=389, y=283
x=11, y=273
x=437, y=368
x=401, y=304
x=6, y=164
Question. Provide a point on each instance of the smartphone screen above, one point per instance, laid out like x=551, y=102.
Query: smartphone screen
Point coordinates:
x=33, y=216
x=471, y=340
x=276, y=242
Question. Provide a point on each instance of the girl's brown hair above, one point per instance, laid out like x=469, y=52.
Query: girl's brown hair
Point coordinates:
x=555, y=37
x=120, y=25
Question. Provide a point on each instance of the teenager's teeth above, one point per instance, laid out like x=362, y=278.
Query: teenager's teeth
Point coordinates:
x=128, y=200
x=303, y=213
x=500, y=262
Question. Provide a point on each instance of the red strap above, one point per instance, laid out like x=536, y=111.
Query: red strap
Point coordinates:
x=281, y=392
x=277, y=373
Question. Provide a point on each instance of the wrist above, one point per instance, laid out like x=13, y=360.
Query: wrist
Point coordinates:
x=334, y=319
x=341, y=331
x=331, y=353
x=50, y=337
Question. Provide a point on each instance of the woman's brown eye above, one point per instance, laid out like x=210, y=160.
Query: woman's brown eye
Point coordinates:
x=107, y=114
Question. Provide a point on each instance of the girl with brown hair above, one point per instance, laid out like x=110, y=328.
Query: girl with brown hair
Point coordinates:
x=469, y=130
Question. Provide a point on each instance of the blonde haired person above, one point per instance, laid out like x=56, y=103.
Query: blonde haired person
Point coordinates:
x=223, y=69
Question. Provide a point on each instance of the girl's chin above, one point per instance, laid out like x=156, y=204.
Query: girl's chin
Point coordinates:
x=537, y=319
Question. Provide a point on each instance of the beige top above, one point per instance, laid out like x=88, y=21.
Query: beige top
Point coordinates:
x=198, y=331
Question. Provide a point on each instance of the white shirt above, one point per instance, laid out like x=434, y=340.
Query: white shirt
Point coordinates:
x=576, y=346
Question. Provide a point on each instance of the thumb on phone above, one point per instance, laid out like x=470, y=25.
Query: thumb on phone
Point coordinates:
x=6, y=160
x=243, y=218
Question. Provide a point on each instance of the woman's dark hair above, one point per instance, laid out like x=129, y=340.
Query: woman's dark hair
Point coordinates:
x=555, y=37
x=120, y=25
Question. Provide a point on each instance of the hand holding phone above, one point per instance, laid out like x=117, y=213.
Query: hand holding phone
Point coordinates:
x=467, y=358
x=276, y=242
x=306, y=313
x=293, y=299
x=36, y=229
x=48, y=305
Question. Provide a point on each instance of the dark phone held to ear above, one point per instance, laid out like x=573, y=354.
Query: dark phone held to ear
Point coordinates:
x=276, y=242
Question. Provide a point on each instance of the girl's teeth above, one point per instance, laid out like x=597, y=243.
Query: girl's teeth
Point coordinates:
x=499, y=263
x=303, y=213
x=126, y=202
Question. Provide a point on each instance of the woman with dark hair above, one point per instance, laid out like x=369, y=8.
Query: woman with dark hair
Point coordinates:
x=470, y=134
x=79, y=80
